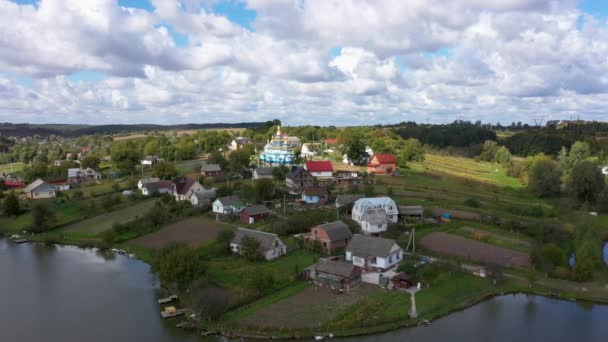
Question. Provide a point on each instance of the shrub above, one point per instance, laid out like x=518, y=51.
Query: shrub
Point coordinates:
x=472, y=202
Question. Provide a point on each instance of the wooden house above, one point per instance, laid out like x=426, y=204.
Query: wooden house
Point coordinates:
x=382, y=164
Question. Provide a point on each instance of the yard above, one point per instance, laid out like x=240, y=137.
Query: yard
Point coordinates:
x=102, y=223
x=12, y=168
x=194, y=231
x=457, y=246
x=310, y=308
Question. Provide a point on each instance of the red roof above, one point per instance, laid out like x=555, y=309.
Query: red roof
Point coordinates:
x=331, y=141
x=386, y=158
x=57, y=181
x=13, y=184
x=319, y=166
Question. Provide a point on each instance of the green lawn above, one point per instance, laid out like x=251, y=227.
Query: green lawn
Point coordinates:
x=101, y=223
x=16, y=167
x=265, y=302
x=228, y=271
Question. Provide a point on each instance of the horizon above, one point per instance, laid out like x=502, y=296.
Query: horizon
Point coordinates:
x=169, y=62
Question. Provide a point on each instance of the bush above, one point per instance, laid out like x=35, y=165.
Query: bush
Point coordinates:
x=472, y=202
x=561, y=273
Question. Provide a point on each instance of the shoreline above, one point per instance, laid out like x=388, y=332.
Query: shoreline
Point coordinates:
x=263, y=334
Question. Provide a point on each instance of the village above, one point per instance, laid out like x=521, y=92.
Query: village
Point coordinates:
x=266, y=227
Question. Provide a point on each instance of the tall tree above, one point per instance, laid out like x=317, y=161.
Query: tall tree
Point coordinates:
x=10, y=205
x=43, y=218
x=586, y=182
x=412, y=151
x=91, y=161
x=164, y=170
x=544, y=178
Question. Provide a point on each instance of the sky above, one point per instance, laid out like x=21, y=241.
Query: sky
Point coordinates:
x=319, y=62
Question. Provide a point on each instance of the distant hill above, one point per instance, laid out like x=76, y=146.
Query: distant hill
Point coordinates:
x=25, y=130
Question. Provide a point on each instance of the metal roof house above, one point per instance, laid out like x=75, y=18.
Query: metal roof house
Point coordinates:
x=373, y=253
x=271, y=246
x=386, y=203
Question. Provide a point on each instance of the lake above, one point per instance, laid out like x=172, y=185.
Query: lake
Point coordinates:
x=69, y=294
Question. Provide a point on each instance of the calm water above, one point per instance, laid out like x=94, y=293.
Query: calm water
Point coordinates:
x=70, y=295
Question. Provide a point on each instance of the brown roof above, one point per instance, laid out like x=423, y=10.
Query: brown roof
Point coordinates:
x=182, y=186
x=315, y=191
x=337, y=230
x=340, y=269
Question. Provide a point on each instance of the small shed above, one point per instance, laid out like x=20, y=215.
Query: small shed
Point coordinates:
x=254, y=213
x=314, y=195
x=211, y=170
x=411, y=210
x=402, y=281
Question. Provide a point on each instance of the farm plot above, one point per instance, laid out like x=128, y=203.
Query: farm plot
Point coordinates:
x=307, y=309
x=194, y=232
x=453, y=245
x=101, y=223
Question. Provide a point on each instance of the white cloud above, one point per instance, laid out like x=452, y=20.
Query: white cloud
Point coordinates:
x=399, y=60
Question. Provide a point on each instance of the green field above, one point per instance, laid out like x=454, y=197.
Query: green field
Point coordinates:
x=101, y=223
x=15, y=168
x=466, y=168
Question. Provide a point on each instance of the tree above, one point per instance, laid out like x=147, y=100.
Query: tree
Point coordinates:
x=602, y=201
x=10, y=205
x=488, y=151
x=412, y=151
x=503, y=156
x=544, y=177
x=586, y=182
x=178, y=264
x=216, y=157
x=264, y=189
x=279, y=173
x=125, y=156
x=91, y=161
x=551, y=253
x=531, y=276
x=583, y=269
x=579, y=151
x=250, y=248
x=354, y=147
x=164, y=170
x=43, y=218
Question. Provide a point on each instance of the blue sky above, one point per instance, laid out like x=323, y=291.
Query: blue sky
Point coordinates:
x=302, y=61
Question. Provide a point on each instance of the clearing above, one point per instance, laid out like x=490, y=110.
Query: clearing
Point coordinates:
x=194, y=231
x=101, y=223
x=453, y=245
x=308, y=309
x=12, y=168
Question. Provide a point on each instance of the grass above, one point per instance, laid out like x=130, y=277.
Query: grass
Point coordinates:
x=104, y=222
x=484, y=172
x=228, y=271
x=265, y=302
x=16, y=167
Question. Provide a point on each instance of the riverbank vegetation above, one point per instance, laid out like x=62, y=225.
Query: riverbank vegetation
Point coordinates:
x=535, y=192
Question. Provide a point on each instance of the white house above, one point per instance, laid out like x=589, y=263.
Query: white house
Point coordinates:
x=262, y=173
x=386, y=203
x=150, y=160
x=605, y=170
x=307, y=150
x=144, y=181
x=271, y=246
x=202, y=198
x=39, y=189
x=238, y=143
x=227, y=205
x=88, y=174
x=185, y=187
x=374, y=221
x=160, y=187
x=373, y=253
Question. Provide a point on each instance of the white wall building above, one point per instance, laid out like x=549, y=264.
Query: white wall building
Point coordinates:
x=386, y=203
x=373, y=253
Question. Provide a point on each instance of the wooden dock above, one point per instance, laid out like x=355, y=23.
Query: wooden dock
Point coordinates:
x=169, y=314
x=167, y=300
